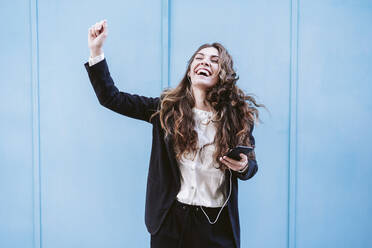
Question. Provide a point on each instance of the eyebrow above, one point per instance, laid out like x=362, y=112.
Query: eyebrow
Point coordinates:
x=211, y=55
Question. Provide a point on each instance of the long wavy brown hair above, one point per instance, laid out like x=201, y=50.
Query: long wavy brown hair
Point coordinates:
x=234, y=111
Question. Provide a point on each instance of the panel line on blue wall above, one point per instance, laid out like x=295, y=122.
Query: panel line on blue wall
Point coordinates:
x=293, y=99
x=35, y=117
x=165, y=43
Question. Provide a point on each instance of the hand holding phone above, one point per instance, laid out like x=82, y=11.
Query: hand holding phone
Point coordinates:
x=234, y=153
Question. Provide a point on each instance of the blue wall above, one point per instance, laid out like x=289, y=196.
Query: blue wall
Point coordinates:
x=73, y=174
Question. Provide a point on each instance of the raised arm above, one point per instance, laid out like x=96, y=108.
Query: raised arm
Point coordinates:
x=131, y=105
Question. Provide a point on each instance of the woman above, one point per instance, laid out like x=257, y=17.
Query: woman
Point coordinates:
x=192, y=188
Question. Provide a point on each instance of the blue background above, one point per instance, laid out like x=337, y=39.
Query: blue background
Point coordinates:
x=73, y=174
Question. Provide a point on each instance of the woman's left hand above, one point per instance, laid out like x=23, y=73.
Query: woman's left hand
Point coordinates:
x=233, y=164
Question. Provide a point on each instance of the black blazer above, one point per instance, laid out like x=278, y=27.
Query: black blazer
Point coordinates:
x=163, y=180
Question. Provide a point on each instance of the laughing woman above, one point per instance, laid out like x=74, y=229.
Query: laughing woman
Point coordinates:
x=192, y=188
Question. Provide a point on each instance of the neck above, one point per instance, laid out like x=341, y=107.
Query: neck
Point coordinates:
x=200, y=102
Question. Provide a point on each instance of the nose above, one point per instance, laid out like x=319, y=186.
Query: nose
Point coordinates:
x=205, y=62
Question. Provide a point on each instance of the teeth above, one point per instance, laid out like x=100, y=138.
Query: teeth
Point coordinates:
x=203, y=72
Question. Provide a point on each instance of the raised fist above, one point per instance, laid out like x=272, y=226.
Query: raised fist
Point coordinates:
x=96, y=37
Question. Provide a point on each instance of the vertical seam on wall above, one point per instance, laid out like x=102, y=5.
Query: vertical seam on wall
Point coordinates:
x=165, y=43
x=169, y=40
x=35, y=119
x=293, y=103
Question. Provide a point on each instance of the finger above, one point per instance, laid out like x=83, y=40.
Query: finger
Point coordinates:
x=104, y=26
x=96, y=32
x=104, y=30
x=91, y=33
x=238, y=164
x=229, y=164
x=100, y=26
x=233, y=161
x=244, y=158
x=94, y=29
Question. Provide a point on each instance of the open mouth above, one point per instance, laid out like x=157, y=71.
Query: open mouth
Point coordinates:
x=203, y=72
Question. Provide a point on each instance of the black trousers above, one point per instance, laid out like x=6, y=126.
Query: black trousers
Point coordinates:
x=186, y=226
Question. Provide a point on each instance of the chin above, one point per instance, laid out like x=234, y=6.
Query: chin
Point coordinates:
x=203, y=84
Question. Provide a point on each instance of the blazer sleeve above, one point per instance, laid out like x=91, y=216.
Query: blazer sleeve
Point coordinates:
x=252, y=163
x=131, y=105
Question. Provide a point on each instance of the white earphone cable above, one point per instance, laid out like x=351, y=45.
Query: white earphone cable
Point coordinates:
x=218, y=215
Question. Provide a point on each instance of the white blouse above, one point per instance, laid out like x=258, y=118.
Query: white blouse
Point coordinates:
x=201, y=182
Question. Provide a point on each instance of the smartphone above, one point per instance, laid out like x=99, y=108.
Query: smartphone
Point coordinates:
x=234, y=153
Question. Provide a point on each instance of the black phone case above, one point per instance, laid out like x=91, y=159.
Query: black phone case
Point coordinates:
x=234, y=153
